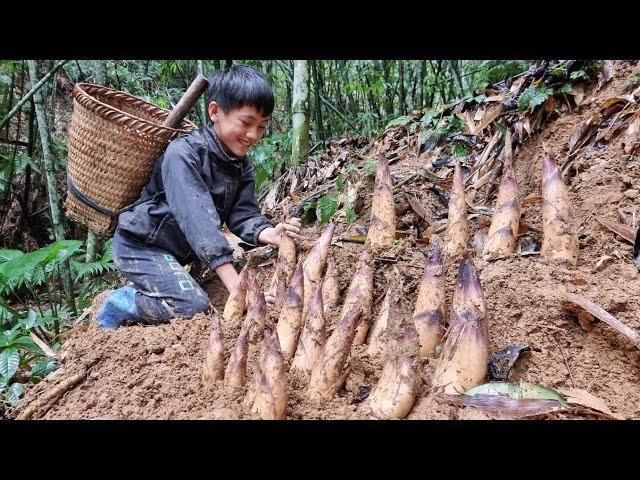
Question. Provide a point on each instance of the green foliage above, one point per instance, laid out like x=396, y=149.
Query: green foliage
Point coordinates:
x=634, y=80
x=13, y=169
x=367, y=123
x=497, y=71
x=579, y=75
x=370, y=166
x=14, y=392
x=309, y=214
x=434, y=125
x=59, y=152
x=103, y=264
x=398, y=122
x=350, y=215
x=6, y=254
x=9, y=362
x=564, y=88
x=559, y=71
x=32, y=268
x=42, y=368
x=460, y=149
x=326, y=207
x=532, y=97
x=32, y=274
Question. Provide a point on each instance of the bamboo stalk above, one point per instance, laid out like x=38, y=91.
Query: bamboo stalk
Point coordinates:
x=501, y=239
x=457, y=232
x=559, y=240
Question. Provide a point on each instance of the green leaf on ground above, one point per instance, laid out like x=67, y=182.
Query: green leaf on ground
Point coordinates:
x=326, y=207
x=42, y=369
x=398, y=122
x=9, y=361
x=14, y=393
x=532, y=97
x=517, y=390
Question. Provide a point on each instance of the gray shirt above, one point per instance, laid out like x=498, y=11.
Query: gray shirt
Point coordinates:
x=195, y=187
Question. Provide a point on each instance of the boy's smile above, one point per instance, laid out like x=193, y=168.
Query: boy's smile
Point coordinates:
x=238, y=129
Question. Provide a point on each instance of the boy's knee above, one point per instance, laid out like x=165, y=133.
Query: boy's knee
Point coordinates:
x=193, y=306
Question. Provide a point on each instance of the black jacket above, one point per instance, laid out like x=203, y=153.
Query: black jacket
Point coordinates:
x=203, y=188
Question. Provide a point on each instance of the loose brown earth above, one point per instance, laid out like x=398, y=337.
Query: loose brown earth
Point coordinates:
x=154, y=372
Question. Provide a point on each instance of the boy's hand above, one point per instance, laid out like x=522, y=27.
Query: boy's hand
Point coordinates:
x=289, y=227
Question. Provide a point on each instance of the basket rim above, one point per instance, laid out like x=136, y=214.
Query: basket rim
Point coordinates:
x=78, y=91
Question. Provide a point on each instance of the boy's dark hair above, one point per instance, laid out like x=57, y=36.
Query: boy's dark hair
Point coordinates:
x=239, y=86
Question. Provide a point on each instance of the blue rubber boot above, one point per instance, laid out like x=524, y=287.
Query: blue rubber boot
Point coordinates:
x=118, y=308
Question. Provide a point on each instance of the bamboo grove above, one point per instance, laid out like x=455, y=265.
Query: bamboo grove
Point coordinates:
x=51, y=268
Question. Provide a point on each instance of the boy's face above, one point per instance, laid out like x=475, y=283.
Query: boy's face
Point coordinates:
x=238, y=129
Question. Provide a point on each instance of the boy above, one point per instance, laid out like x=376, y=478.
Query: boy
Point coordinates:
x=202, y=180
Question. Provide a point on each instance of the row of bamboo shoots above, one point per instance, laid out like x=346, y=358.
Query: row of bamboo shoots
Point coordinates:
x=559, y=240
x=306, y=291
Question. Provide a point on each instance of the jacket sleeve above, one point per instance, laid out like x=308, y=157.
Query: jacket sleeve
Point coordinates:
x=245, y=219
x=191, y=204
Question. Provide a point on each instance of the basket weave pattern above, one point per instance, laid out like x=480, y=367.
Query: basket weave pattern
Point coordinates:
x=114, y=140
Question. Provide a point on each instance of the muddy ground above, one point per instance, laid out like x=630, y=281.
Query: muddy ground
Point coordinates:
x=154, y=372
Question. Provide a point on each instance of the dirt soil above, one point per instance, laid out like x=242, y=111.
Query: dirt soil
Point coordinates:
x=154, y=372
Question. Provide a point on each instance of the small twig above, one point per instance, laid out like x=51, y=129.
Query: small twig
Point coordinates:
x=84, y=314
x=321, y=142
x=605, y=316
x=45, y=348
x=43, y=209
x=565, y=361
x=48, y=399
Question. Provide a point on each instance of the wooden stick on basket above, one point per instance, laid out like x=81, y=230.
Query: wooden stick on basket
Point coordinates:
x=114, y=140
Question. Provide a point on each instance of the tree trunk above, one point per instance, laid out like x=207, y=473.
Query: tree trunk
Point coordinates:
x=373, y=105
x=415, y=78
x=56, y=218
x=455, y=67
x=9, y=100
x=54, y=90
x=352, y=108
x=436, y=75
x=216, y=64
x=289, y=100
x=321, y=86
x=270, y=79
x=6, y=205
x=423, y=68
x=92, y=247
x=93, y=240
x=443, y=94
x=388, y=89
x=26, y=207
x=402, y=108
x=228, y=63
x=316, y=92
x=101, y=72
x=300, y=111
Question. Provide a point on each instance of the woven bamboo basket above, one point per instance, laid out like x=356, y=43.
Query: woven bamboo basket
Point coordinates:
x=114, y=140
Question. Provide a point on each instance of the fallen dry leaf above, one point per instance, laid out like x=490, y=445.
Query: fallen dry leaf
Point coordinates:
x=631, y=138
x=584, y=131
x=577, y=396
x=488, y=117
x=606, y=73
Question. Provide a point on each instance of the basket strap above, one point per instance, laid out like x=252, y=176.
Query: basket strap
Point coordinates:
x=113, y=213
